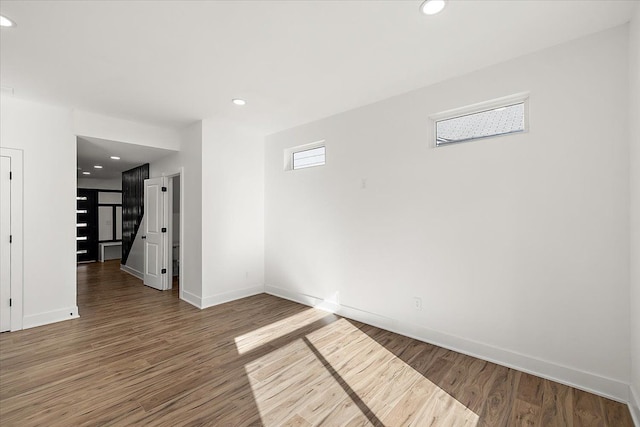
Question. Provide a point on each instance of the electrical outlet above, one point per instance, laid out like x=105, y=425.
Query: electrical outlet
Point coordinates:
x=417, y=303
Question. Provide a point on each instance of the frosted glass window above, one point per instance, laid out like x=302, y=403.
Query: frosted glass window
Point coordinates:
x=109, y=198
x=105, y=223
x=498, y=121
x=309, y=158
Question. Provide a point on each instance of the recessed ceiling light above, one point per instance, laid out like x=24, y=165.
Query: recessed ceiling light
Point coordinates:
x=86, y=173
x=238, y=101
x=98, y=167
x=431, y=7
x=115, y=157
x=6, y=22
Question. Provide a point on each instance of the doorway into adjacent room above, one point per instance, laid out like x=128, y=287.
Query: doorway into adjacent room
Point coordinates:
x=11, y=236
x=116, y=214
x=160, y=232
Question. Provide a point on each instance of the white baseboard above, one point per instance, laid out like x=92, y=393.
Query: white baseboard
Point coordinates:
x=192, y=299
x=212, y=300
x=606, y=387
x=634, y=405
x=132, y=271
x=48, y=317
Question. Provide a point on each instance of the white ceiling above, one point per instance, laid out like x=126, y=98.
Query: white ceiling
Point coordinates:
x=95, y=151
x=170, y=63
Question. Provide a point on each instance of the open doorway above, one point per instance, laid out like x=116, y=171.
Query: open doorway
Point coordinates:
x=102, y=165
x=174, y=221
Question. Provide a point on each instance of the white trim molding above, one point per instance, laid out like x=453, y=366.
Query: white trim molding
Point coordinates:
x=593, y=383
x=221, y=298
x=634, y=405
x=192, y=299
x=48, y=317
x=132, y=271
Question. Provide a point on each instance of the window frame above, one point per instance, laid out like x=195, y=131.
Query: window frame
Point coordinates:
x=289, y=153
x=480, y=107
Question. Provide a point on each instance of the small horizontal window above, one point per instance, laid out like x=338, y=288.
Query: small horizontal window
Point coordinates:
x=81, y=224
x=81, y=211
x=81, y=251
x=81, y=198
x=81, y=238
x=309, y=158
x=305, y=156
x=109, y=198
x=499, y=117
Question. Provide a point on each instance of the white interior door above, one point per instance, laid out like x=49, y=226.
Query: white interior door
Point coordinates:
x=156, y=206
x=5, y=246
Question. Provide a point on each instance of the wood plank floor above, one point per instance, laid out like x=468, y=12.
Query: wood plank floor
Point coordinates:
x=143, y=357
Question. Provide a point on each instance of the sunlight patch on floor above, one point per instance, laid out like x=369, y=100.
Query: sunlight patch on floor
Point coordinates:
x=266, y=334
x=338, y=374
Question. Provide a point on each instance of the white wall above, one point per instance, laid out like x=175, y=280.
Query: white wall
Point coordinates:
x=634, y=74
x=101, y=184
x=190, y=160
x=44, y=134
x=222, y=254
x=232, y=213
x=114, y=129
x=518, y=246
x=135, y=259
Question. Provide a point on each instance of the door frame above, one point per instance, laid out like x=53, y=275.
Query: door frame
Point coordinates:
x=17, y=246
x=169, y=247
